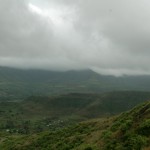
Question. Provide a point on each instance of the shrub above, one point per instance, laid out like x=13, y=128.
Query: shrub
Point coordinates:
x=125, y=126
x=88, y=148
x=135, y=142
x=107, y=134
x=144, y=128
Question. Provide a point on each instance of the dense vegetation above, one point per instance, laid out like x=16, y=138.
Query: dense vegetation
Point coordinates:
x=39, y=113
x=128, y=131
x=54, y=120
x=18, y=84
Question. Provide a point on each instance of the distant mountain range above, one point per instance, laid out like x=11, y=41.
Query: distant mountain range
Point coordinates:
x=17, y=84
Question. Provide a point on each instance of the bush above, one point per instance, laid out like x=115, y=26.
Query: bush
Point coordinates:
x=107, y=134
x=88, y=148
x=144, y=128
x=125, y=126
x=135, y=142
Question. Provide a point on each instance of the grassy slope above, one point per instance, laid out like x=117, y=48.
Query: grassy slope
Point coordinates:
x=128, y=131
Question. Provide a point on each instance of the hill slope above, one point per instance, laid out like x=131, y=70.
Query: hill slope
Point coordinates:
x=130, y=130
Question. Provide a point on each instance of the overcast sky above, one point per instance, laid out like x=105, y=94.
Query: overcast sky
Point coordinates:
x=107, y=36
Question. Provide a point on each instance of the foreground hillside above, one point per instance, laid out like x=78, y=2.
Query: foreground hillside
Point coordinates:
x=18, y=84
x=38, y=113
x=128, y=131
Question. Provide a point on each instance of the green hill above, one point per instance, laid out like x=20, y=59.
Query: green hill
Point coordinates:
x=17, y=84
x=131, y=130
x=128, y=131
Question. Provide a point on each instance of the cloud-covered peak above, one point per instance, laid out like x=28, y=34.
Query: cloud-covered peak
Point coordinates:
x=110, y=37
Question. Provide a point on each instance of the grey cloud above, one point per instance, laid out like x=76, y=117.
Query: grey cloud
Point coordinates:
x=110, y=37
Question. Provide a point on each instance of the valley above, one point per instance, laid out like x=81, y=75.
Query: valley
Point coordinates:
x=75, y=110
x=39, y=113
x=74, y=75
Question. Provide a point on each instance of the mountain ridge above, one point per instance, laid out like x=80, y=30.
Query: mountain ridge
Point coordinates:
x=16, y=84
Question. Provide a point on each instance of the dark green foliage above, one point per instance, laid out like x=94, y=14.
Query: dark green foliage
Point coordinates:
x=144, y=128
x=88, y=148
x=130, y=131
x=134, y=141
x=107, y=134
